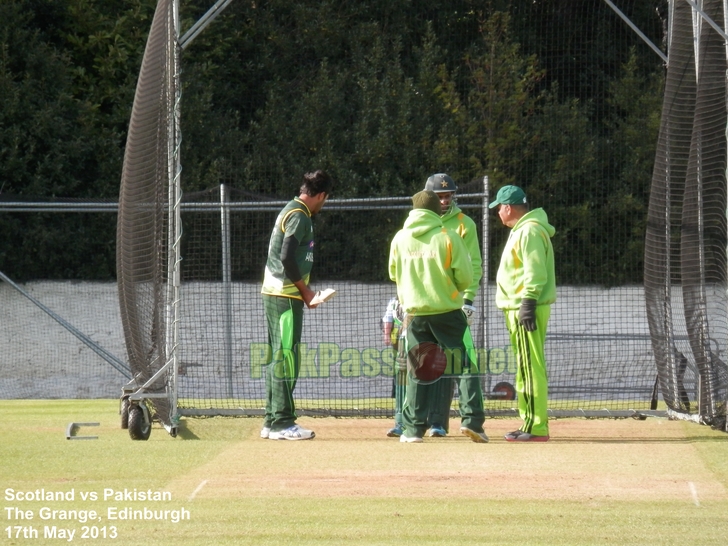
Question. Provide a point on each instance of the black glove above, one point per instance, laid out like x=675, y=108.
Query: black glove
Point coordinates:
x=527, y=315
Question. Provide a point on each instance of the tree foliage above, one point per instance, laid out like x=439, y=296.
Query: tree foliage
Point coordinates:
x=381, y=93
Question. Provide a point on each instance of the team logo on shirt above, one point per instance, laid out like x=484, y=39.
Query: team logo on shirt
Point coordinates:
x=422, y=254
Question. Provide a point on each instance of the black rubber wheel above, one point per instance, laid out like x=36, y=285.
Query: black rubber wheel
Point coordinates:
x=139, y=429
x=507, y=390
x=124, y=410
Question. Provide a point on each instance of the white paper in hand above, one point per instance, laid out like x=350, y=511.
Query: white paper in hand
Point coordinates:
x=323, y=296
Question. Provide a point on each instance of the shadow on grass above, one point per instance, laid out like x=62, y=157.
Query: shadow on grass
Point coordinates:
x=185, y=433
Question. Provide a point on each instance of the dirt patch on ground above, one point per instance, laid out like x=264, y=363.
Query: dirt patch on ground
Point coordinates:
x=586, y=460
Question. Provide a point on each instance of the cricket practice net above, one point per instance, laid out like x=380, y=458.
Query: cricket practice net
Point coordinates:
x=603, y=367
x=147, y=226
x=641, y=318
x=685, y=250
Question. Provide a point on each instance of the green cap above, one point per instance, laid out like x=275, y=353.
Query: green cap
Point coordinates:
x=509, y=195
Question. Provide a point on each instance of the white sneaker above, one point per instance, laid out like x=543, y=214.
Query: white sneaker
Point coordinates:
x=410, y=439
x=477, y=437
x=436, y=432
x=294, y=432
x=265, y=433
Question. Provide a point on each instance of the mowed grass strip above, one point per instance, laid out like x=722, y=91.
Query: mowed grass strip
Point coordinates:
x=596, y=482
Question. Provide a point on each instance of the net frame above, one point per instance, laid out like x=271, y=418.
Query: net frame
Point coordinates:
x=149, y=229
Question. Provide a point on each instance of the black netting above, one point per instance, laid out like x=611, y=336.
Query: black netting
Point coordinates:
x=685, y=250
x=144, y=209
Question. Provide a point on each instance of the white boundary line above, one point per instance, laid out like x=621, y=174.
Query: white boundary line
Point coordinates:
x=199, y=488
x=694, y=493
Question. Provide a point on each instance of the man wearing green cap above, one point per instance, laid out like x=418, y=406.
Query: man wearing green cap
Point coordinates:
x=432, y=269
x=526, y=288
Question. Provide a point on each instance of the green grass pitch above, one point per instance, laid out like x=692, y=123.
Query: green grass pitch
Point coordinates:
x=597, y=482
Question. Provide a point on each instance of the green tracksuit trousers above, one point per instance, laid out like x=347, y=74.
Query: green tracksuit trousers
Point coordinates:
x=531, y=375
x=399, y=383
x=285, y=324
x=450, y=331
x=441, y=397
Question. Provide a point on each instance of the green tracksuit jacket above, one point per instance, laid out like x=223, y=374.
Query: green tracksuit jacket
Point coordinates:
x=293, y=221
x=456, y=220
x=430, y=265
x=527, y=264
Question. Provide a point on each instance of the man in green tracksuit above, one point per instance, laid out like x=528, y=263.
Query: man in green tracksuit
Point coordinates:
x=285, y=291
x=431, y=267
x=526, y=288
x=453, y=218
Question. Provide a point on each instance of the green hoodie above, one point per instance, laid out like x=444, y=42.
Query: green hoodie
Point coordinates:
x=430, y=265
x=527, y=265
x=464, y=226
